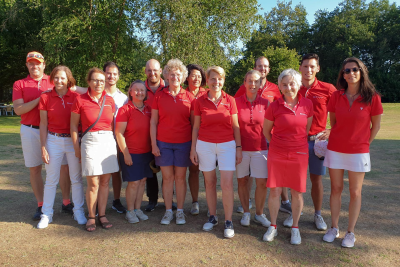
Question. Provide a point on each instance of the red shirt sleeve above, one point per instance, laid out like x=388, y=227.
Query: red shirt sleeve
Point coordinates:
x=233, y=109
x=197, y=111
x=122, y=115
x=269, y=114
x=332, y=102
x=113, y=103
x=17, y=91
x=241, y=91
x=376, y=105
x=76, y=106
x=43, y=102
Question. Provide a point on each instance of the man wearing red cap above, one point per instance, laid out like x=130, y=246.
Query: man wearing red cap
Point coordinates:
x=26, y=96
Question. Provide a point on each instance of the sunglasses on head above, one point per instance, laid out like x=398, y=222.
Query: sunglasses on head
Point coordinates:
x=347, y=71
x=35, y=55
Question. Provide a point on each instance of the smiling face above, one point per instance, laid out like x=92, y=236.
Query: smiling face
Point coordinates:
x=97, y=82
x=262, y=65
x=138, y=92
x=60, y=81
x=35, y=68
x=252, y=83
x=354, y=76
x=289, y=87
x=153, y=72
x=194, y=79
x=175, y=78
x=112, y=76
x=309, y=69
x=215, y=81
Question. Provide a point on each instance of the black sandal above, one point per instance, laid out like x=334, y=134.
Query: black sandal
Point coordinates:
x=105, y=225
x=91, y=226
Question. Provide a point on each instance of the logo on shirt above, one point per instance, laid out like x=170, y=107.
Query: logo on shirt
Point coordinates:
x=318, y=97
x=361, y=108
x=225, y=104
x=184, y=100
x=69, y=103
x=303, y=114
x=107, y=105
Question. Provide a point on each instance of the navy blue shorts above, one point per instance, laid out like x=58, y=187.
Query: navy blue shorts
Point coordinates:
x=140, y=168
x=315, y=164
x=174, y=154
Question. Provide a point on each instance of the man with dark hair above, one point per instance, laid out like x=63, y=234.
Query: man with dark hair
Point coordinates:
x=319, y=93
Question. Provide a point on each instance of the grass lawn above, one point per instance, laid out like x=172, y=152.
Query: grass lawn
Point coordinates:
x=64, y=243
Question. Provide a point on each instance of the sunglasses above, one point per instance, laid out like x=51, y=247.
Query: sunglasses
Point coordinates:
x=35, y=55
x=355, y=70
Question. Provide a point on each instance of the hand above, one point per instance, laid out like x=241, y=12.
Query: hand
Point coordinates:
x=239, y=155
x=194, y=157
x=325, y=134
x=128, y=159
x=156, y=151
x=45, y=156
x=78, y=153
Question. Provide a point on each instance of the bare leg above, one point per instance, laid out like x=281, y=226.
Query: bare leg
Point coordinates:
x=284, y=194
x=168, y=185
x=103, y=195
x=227, y=193
x=140, y=192
x=91, y=196
x=194, y=173
x=250, y=185
x=210, y=180
x=35, y=176
x=297, y=206
x=180, y=186
x=317, y=191
x=260, y=195
x=243, y=190
x=65, y=182
x=336, y=176
x=131, y=194
x=355, y=186
x=273, y=203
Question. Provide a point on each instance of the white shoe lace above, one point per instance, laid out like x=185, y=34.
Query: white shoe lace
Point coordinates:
x=167, y=216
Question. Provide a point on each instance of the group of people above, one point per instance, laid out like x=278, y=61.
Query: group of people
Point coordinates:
x=265, y=132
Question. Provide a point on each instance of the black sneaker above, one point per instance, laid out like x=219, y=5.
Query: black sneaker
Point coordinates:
x=38, y=212
x=229, y=232
x=68, y=208
x=151, y=206
x=174, y=207
x=286, y=207
x=117, y=206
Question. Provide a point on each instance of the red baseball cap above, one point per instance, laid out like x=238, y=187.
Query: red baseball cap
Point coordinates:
x=34, y=56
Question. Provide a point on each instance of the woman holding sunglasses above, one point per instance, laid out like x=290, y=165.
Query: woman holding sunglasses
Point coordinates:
x=355, y=114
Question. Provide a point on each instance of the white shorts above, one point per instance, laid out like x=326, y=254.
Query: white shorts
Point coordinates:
x=352, y=162
x=209, y=153
x=253, y=163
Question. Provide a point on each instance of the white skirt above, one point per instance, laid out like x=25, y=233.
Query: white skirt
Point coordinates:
x=352, y=162
x=99, y=153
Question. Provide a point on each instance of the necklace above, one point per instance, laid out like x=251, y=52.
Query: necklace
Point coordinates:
x=137, y=106
x=352, y=96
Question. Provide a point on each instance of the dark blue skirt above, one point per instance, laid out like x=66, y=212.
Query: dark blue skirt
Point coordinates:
x=140, y=168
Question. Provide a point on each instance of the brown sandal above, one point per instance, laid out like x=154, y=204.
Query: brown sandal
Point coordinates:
x=91, y=226
x=105, y=225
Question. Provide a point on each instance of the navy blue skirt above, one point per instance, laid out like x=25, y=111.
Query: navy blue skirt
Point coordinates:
x=140, y=168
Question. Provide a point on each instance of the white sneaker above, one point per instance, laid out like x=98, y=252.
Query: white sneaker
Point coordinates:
x=44, y=221
x=228, y=231
x=270, y=234
x=245, y=221
x=296, y=238
x=348, y=240
x=79, y=216
x=168, y=216
x=319, y=222
x=131, y=217
x=180, y=218
x=331, y=234
x=195, y=210
x=262, y=219
x=240, y=209
x=212, y=221
x=288, y=222
x=141, y=215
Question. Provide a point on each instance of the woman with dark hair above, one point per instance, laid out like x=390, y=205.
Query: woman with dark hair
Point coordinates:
x=355, y=115
x=195, y=81
x=133, y=136
x=98, y=151
x=56, y=143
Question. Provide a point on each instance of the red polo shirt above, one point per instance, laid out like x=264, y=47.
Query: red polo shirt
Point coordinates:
x=173, y=116
x=319, y=93
x=150, y=94
x=58, y=110
x=289, y=131
x=89, y=111
x=251, y=120
x=269, y=91
x=351, y=132
x=137, y=132
x=215, y=119
x=28, y=89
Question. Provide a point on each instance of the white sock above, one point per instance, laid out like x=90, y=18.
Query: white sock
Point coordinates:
x=285, y=202
x=179, y=210
x=169, y=210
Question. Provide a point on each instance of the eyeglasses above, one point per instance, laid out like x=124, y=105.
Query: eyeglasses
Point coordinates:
x=98, y=81
x=35, y=55
x=355, y=70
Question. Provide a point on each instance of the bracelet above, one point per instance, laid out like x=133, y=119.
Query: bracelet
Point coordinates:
x=238, y=146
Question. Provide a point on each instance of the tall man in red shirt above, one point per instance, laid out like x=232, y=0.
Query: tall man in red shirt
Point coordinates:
x=319, y=93
x=270, y=91
x=26, y=96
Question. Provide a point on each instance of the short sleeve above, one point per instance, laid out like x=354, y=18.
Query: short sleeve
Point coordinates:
x=233, y=109
x=269, y=114
x=76, y=106
x=43, y=102
x=376, y=105
x=123, y=115
x=17, y=91
x=332, y=103
x=332, y=89
x=197, y=111
x=241, y=91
